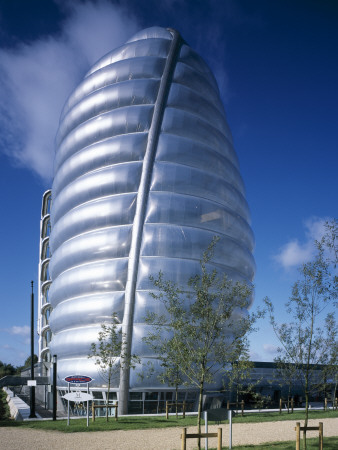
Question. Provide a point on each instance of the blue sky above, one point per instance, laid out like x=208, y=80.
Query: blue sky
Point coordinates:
x=276, y=65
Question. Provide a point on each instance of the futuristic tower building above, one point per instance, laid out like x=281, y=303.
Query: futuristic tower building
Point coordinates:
x=145, y=176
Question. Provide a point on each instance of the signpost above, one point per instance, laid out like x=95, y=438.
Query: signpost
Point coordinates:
x=78, y=396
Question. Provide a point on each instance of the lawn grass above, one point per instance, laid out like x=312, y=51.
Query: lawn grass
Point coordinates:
x=147, y=422
x=100, y=424
x=330, y=443
x=275, y=416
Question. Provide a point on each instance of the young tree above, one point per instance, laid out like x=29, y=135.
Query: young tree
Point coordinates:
x=6, y=369
x=239, y=376
x=108, y=354
x=200, y=330
x=303, y=338
x=330, y=373
x=287, y=373
x=170, y=373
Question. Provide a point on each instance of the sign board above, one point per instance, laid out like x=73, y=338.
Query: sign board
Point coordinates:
x=31, y=382
x=78, y=379
x=78, y=397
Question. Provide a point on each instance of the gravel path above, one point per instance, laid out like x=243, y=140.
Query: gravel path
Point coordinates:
x=152, y=439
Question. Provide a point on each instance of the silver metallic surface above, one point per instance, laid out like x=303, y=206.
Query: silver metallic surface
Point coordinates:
x=145, y=176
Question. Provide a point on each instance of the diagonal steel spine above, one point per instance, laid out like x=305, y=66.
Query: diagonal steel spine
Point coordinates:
x=141, y=205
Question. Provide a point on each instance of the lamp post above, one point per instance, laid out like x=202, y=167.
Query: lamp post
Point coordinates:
x=54, y=385
x=32, y=388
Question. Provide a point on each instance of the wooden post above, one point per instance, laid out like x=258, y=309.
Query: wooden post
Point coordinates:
x=297, y=435
x=242, y=405
x=280, y=405
x=116, y=418
x=184, y=434
x=219, y=439
x=93, y=412
x=184, y=409
x=325, y=404
x=166, y=410
x=321, y=434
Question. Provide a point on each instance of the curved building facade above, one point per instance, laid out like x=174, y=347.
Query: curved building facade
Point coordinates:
x=145, y=176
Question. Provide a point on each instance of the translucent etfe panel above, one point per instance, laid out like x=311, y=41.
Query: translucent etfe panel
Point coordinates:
x=115, y=150
x=190, y=243
x=87, y=310
x=198, y=213
x=75, y=342
x=135, y=68
x=182, y=97
x=198, y=82
x=180, y=150
x=130, y=119
x=94, y=278
x=126, y=93
x=193, y=127
x=79, y=365
x=188, y=180
x=117, y=179
x=105, y=243
x=140, y=330
x=138, y=49
x=105, y=212
x=144, y=304
x=189, y=57
x=179, y=271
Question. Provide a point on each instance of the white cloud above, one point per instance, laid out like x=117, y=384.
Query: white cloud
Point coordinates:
x=294, y=252
x=22, y=331
x=269, y=348
x=38, y=77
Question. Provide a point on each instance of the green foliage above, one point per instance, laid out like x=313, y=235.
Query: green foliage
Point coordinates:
x=4, y=410
x=199, y=332
x=108, y=353
x=237, y=377
x=27, y=363
x=6, y=369
x=305, y=343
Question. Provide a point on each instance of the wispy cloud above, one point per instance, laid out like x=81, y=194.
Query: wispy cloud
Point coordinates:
x=269, y=348
x=295, y=252
x=22, y=331
x=37, y=78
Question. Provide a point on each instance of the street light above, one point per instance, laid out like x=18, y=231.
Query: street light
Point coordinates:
x=54, y=385
x=32, y=386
